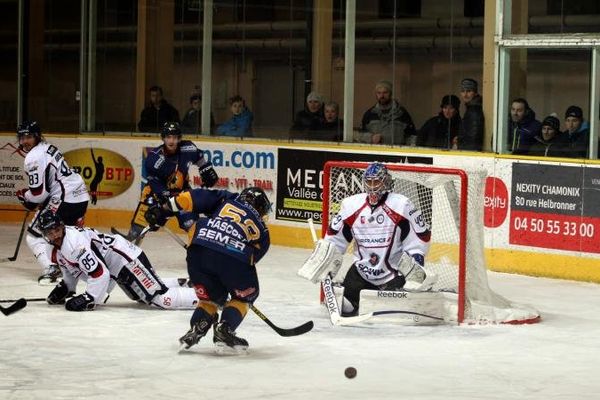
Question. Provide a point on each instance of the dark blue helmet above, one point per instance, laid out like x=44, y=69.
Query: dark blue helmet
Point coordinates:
x=376, y=181
x=257, y=199
x=29, y=128
x=48, y=220
x=170, y=128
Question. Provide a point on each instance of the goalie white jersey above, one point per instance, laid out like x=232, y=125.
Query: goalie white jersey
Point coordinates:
x=93, y=257
x=49, y=175
x=381, y=234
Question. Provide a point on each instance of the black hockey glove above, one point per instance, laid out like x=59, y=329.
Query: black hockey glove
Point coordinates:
x=59, y=294
x=82, y=302
x=208, y=175
x=156, y=216
x=21, y=197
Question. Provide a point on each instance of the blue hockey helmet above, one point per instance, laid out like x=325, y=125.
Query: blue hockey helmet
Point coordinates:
x=257, y=199
x=170, y=129
x=377, y=181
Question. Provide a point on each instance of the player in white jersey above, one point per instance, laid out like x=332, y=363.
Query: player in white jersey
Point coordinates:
x=52, y=185
x=391, y=240
x=103, y=260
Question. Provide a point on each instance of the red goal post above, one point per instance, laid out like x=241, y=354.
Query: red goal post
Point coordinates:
x=451, y=201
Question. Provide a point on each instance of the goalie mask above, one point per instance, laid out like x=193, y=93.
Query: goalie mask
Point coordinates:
x=52, y=227
x=257, y=198
x=376, y=182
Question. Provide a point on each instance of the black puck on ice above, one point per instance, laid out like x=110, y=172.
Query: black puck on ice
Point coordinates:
x=350, y=372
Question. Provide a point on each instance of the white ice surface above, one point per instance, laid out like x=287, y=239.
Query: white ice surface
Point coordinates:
x=128, y=351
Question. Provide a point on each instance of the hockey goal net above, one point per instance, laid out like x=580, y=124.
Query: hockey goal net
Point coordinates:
x=451, y=201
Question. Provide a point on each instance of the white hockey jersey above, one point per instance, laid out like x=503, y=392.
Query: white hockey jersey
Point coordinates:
x=93, y=257
x=50, y=176
x=381, y=234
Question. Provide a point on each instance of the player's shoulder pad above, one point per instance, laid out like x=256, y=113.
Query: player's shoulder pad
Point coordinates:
x=186, y=146
x=352, y=203
x=74, y=243
x=155, y=158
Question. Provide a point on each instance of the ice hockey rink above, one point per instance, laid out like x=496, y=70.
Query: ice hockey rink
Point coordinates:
x=128, y=351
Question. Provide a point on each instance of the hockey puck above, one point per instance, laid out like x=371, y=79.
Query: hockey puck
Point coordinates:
x=350, y=372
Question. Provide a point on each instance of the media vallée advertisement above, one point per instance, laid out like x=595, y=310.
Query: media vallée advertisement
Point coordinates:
x=300, y=179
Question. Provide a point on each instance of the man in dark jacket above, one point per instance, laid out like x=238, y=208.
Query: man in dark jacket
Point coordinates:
x=473, y=123
x=523, y=127
x=546, y=143
x=575, y=139
x=387, y=122
x=157, y=112
x=442, y=130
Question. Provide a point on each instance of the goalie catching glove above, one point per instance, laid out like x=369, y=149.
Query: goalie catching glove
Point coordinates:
x=418, y=278
x=325, y=259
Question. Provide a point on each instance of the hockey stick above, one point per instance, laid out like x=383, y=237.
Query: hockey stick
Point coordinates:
x=13, y=308
x=26, y=299
x=175, y=237
x=14, y=257
x=299, y=330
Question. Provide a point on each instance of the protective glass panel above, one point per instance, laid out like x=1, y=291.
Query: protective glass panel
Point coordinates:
x=8, y=66
x=541, y=98
x=113, y=79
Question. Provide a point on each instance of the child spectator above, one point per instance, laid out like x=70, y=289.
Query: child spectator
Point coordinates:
x=240, y=124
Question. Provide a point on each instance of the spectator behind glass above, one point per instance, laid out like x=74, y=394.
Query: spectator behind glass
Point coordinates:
x=193, y=116
x=310, y=119
x=574, y=141
x=442, y=130
x=332, y=127
x=240, y=124
x=473, y=123
x=157, y=112
x=387, y=122
x=546, y=143
x=523, y=127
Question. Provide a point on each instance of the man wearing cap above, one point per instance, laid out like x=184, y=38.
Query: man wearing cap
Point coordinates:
x=442, y=130
x=387, y=122
x=575, y=139
x=546, y=143
x=523, y=127
x=310, y=119
x=473, y=123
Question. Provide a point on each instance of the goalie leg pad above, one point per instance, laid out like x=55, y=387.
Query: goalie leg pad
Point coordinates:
x=139, y=281
x=325, y=259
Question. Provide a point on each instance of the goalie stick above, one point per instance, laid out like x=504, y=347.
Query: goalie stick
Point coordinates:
x=14, y=257
x=13, y=308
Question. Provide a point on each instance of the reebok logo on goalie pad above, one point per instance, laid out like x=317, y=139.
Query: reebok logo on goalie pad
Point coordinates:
x=395, y=295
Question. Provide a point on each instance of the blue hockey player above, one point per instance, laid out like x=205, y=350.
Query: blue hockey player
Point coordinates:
x=221, y=257
x=167, y=168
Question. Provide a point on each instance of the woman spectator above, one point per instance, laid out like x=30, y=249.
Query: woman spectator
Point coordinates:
x=442, y=131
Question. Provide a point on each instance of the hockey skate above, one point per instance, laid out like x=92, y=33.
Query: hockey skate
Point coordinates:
x=50, y=276
x=226, y=341
x=193, y=336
